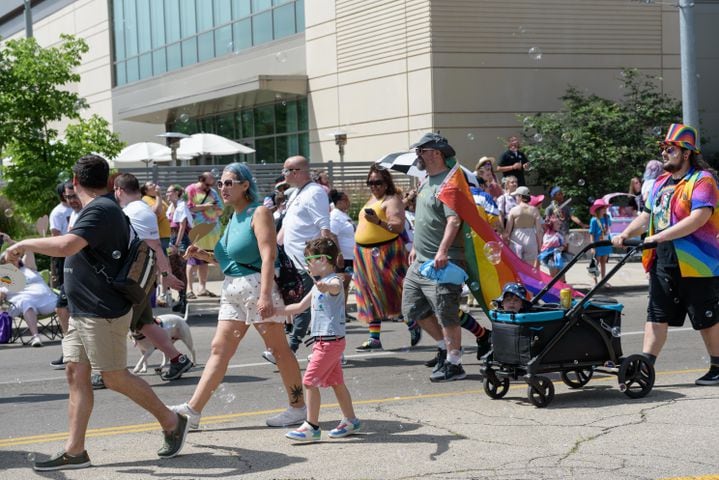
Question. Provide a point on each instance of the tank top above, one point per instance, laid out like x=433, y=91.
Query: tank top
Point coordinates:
x=370, y=234
x=238, y=245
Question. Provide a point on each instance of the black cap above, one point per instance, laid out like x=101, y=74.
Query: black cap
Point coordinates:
x=437, y=142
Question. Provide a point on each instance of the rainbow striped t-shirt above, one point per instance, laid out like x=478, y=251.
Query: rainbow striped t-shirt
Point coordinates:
x=698, y=252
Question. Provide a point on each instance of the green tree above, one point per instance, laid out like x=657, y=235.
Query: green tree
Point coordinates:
x=593, y=146
x=36, y=94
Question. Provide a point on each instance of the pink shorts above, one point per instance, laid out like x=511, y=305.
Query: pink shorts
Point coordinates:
x=325, y=367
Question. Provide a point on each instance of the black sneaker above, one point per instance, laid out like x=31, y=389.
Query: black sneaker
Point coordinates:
x=415, y=335
x=177, y=369
x=175, y=439
x=63, y=461
x=97, y=382
x=438, y=359
x=449, y=372
x=484, y=343
x=711, y=377
x=58, y=364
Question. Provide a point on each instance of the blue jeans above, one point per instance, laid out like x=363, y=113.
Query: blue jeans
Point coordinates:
x=301, y=322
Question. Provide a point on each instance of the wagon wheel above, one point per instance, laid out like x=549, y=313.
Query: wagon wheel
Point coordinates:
x=577, y=378
x=636, y=376
x=493, y=386
x=540, y=391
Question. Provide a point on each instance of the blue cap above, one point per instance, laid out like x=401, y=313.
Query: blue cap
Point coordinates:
x=555, y=190
x=515, y=289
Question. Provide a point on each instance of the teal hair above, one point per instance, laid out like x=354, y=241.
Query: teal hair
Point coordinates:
x=242, y=173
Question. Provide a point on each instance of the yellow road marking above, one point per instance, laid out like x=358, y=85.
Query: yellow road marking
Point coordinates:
x=213, y=419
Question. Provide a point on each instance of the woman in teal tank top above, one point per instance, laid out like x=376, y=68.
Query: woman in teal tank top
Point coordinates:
x=248, y=243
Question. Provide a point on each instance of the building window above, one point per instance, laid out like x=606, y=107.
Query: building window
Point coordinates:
x=274, y=130
x=154, y=37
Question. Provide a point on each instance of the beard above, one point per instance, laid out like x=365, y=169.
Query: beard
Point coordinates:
x=671, y=167
x=419, y=163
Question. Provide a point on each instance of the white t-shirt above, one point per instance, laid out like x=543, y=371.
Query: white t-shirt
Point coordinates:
x=308, y=213
x=342, y=226
x=179, y=213
x=59, y=217
x=71, y=221
x=143, y=220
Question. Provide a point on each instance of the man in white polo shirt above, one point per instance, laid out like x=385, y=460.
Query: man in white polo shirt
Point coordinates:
x=307, y=216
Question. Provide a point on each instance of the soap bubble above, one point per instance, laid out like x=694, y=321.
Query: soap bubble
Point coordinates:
x=521, y=29
x=237, y=333
x=281, y=57
x=581, y=182
x=566, y=137
x=493, y=252
x=468, y=235
x=230, y=47
x=9, y=212
x=657, y=131
x=31, y=457
x=474, y=286
x=709, y=314
x=590, y=200
x=184, y=118
x=116, y=254
x=215, y=172
x=538, y=137
x=575, y=239
x=470, y=137
x=375, y=252
x=616, y=332
x=535, y=53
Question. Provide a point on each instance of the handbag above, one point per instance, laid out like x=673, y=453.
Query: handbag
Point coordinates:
x=136, y=277
x=289, y=281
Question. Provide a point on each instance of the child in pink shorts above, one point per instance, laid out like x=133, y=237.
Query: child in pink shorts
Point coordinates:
x=327, y=331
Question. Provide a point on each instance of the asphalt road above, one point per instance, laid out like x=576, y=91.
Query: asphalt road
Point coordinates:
x=413, y=428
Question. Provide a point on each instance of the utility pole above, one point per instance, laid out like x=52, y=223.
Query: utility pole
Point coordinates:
x=28, y=19
x=687, y=39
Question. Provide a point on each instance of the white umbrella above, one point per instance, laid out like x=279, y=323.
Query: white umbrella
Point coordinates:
x=211, y=144
x=142, y=152
x=166, y=157
x=405, y=162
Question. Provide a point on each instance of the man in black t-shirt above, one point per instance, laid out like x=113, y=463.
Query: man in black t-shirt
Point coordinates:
x=94, y=251
x=513, y=161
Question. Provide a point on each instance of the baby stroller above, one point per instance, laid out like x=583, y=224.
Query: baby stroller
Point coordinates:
x=576, y=342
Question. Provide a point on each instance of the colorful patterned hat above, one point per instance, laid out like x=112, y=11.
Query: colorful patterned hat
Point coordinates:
x=682, y=135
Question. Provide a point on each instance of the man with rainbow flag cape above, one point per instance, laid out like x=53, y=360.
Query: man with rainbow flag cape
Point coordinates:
x=682, y=214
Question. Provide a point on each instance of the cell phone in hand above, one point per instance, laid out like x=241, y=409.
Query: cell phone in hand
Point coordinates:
x=369, y=211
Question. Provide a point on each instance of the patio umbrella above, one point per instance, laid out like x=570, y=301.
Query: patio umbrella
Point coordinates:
x=405, y=162
x=142, y=152
x=211, y=144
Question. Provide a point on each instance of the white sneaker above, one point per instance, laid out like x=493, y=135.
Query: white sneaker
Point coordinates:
x=35, y=341
x=291, y=416
x=193, y=418
x=267, y=355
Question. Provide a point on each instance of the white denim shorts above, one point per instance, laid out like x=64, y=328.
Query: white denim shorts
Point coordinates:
x=239, y=300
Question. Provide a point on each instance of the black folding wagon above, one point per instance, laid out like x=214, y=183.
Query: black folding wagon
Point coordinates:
x=574, y=342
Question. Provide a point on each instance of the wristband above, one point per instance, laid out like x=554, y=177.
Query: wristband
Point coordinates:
x=164, y=274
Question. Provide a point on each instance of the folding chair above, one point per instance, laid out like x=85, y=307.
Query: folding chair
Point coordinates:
x=48, y=326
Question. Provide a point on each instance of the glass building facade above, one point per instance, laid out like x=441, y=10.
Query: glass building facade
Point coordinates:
x=152, y=37
x=276, y=130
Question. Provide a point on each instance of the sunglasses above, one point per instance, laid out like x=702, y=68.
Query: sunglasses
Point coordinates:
x=227, y=183
x=670, y=150
x=309, y=258
x=71, y=197
x=420, y=151
x=287, y=171
x=375, y=183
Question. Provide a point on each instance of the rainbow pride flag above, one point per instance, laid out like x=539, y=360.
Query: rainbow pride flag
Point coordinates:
x=485, y=278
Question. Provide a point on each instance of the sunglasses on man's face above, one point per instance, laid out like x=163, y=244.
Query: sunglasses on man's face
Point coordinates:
x=375, y=183
x=670, y=150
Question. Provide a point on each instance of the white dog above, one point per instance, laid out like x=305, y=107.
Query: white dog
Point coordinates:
x=176, y=327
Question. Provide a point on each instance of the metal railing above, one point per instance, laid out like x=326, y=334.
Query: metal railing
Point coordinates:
x=344, y=176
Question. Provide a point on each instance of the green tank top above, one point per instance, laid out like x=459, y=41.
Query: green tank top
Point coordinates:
x=238, y=245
